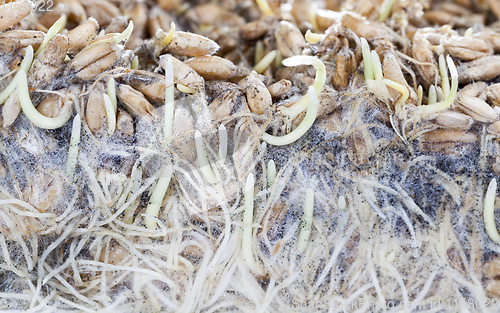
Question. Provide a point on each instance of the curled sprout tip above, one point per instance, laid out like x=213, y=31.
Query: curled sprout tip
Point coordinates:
x=469, y=32
x=154, y=205
x=319, y=81
x=27, y=60
x=307, y=122
x=405, y=93
x=314, y=37
x=489, y=212
x=32, y=113
x=125, y=35
x=203, y=162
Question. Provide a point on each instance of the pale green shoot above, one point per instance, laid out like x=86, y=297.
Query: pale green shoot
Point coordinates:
x=265, y=62
x=307, y=122
x=377, y=66
x=24, y=67
x=306, y=224
x=319, y=81
x=110, y=114
x=205, y=167
x=386, y=10
x=53, y=30
x=432, y=97
x=278, y=60
x=32, y=113
x=246, y=236
x=112, y=93
x=271, y=173
x=420, y=95
x=265, y=8
x=259, y=52
x=73, y=146
x=170, y=34
x=445, y=83
x=185, y=89
x=125, y=35
x=156, y=199
x=367, y=60
x=222, y=142
x=428, y=110
x=469, y=32
x=374, y=78
x=405, y=93
x=135, y=63
x=489, y=212
x=314, y=37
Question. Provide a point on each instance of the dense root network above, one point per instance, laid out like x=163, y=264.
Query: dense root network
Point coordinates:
x=250, y=156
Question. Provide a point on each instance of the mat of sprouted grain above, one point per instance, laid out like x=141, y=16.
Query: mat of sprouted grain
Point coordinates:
x=253, y=156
